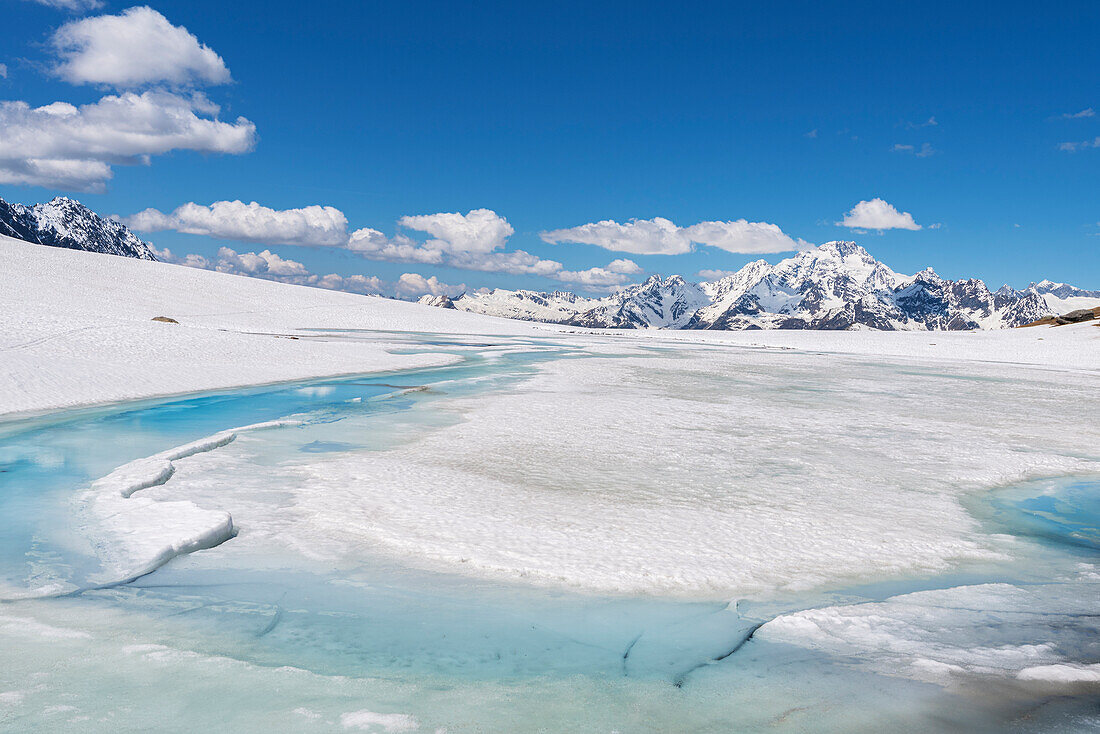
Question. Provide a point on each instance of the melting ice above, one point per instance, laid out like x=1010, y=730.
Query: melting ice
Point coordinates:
x=564, y=538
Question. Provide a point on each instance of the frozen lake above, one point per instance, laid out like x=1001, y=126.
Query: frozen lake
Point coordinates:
x=563, y=535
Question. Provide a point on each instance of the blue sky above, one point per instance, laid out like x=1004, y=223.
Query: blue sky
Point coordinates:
x=556, y=115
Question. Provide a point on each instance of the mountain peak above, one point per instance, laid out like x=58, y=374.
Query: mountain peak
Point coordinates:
x=842, y=249
x=65, y=222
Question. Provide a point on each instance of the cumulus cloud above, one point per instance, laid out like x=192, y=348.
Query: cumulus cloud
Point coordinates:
x=877, y=214
x=74, y=5
x=262, y=263
x=478, y=231
x=659, y=236
x=270, y=266
x=311, y=226
x=466, y=242
x=517, y=262
x=135, y=48
x=624, y=267
x=469, y=242
x=616, y=273
x=743, y=236
x=64, y=146
x=374, y=245
x=414, y=285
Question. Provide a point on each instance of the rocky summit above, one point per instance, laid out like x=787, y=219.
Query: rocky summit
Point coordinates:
x=64, y=222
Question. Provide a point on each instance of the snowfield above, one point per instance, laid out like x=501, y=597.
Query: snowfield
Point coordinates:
x=550, y=496
x=76, y=330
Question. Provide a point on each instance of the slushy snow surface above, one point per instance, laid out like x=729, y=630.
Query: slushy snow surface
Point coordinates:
x=704, y=473
x=737, y=471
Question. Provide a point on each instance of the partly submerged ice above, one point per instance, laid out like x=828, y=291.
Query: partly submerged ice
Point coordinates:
x=702, y=474
x=564, y=539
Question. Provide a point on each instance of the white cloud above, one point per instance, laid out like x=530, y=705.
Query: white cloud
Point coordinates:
x=263, y=263
x=137, y=47
x=413, y=285
x=743, y=236
x=3, y=71
x=270, y=266
x=517, y=262
x=460, y=242
x=1087, y=112
x=374, y=245
x=624, y=267
x=812, y=133
x=480, y=230
x=63, y=146
x=714, y=274
x=877, y=214
x=74, y=5
x=1073, y=147
x=311, y=226
x=659, y=236
x=599, y=278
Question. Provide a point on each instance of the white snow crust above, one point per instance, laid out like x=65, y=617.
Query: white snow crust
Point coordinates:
x=76, y=329
x=133, y=535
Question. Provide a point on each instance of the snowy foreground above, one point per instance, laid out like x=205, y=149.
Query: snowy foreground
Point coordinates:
x=504, y=526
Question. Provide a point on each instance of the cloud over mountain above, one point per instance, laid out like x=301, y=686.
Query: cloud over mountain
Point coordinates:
x=660, y=236
x=877, y=214
x=310, y=226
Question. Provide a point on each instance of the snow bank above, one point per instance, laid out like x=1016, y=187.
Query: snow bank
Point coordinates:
x=135, y=535
x=370, y=721
x=1024, y=633
x=1063, y=673
x=76, y=329
x=718, y=473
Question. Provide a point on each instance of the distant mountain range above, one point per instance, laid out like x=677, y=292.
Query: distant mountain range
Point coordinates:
x=837, y=285
x=63, y=222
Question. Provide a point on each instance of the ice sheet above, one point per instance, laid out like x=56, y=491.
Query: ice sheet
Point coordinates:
x=704, y=473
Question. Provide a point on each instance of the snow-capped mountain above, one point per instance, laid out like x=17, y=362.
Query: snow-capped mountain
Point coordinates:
x=440, y=301
x=838, y=285
x=63, y=222
x=656, y=303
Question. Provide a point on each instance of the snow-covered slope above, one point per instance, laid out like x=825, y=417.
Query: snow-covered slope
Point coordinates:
x=63, y=222
x=838, y=285
x=1062, y=298
x=76, y=329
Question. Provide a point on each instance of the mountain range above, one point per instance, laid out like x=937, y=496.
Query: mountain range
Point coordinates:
x=64, y=222
x=837, y=285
